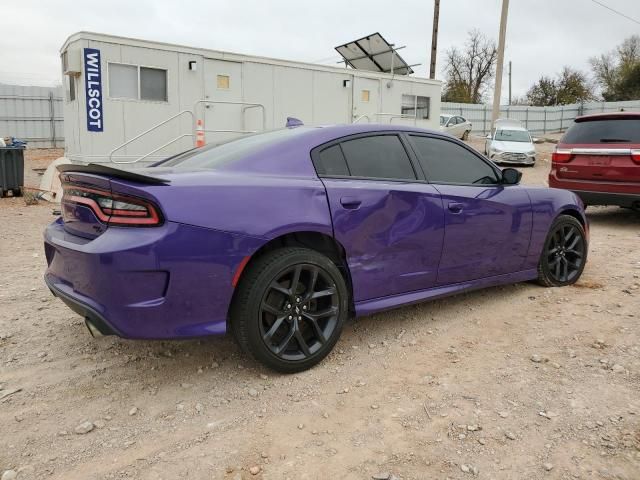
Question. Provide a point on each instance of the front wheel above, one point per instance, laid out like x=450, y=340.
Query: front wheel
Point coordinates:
x=290, y=308
x=564, y=254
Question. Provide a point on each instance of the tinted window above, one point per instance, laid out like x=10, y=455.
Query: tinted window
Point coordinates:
x=216, y=155
x=381, y=156
x=330, y=161
x=604, y=131
x=447, y=162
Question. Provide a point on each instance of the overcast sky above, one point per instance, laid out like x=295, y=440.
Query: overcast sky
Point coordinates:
x=542, y=35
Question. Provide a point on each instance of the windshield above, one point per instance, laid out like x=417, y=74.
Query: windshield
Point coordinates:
x=216, y=155
x=604, y=131
x=513, y=136
x=443, y=119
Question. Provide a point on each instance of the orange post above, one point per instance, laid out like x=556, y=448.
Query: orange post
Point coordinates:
x=199, y=134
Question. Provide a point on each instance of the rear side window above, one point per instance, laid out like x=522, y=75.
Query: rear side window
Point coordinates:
x=380, y=156
x=604, y=131
x=330, y=161
x=448, y=162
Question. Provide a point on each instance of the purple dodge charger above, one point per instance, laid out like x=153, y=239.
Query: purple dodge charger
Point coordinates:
x=281, y=236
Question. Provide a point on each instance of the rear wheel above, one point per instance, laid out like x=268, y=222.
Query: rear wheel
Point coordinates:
x=290, y=308
x=564, y=254
x=465, y=135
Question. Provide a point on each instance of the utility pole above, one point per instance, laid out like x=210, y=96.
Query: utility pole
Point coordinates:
x=498, y=88
x=509, y=82
x=434, y=38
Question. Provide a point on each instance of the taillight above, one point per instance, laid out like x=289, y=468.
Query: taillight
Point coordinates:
x=635, y=156
x=561, y=155
x=119, y=210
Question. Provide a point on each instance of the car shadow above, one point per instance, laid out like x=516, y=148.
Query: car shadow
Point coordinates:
x=612, y=217
x=181, y=361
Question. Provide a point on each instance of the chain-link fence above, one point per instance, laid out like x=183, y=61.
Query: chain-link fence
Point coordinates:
x=537, y=120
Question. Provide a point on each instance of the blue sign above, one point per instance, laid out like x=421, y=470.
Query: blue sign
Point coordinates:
x=93, y=89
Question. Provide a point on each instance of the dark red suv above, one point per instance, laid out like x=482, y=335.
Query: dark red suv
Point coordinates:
x=598, y=158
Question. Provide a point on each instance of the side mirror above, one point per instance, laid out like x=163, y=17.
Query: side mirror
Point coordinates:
x=511, y=176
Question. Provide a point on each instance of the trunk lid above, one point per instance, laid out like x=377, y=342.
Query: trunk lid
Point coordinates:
x=593, y=162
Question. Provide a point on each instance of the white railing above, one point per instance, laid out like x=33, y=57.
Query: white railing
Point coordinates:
x=126, y=159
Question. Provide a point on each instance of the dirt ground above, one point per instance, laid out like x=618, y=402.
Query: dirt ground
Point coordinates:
x=514, y=382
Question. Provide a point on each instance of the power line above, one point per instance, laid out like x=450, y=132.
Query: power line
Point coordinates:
x=616, y=11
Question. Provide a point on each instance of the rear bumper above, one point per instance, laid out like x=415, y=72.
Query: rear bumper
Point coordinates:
x=599, y=193
x=606, y=198
x=167, y=282
x=82, y=307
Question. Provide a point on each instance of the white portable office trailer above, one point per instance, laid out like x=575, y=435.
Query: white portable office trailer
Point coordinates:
x=134, y=101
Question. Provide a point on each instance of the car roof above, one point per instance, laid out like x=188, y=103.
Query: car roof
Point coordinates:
x=511, y=127
x=608, y=116
x=283, y=157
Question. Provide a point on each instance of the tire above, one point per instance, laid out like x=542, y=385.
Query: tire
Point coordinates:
x=465, y=135
x=17, y=192
x=264, y=299
x=564, y=254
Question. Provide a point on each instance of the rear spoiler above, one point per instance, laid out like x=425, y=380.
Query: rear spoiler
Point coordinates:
x=113, y=172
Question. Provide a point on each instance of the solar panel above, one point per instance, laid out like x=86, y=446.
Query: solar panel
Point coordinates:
x=375, y=54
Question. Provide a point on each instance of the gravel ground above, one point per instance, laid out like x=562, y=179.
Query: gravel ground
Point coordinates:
x=514, y=382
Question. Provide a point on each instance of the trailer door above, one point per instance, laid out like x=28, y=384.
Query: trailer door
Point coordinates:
x=222, y=83
x=366, y=99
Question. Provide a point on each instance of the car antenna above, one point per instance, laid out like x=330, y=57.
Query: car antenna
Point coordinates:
x=294, y=122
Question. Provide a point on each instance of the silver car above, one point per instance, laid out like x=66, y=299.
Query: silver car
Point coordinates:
x=510, y=142
x=455, y=125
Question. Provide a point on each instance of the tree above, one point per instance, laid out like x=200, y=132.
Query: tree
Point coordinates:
x=570, y=86
x=544, y=92
x=573, y=87
x=469, y=71
x=616, y=72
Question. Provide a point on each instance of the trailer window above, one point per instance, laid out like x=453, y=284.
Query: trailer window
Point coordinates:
x=123, y=81
x=416, y=106
x=71, y=88
x=153, y=84
x=223, y=82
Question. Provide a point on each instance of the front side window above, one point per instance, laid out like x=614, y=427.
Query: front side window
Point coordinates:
x=416, y=106
x=447, y=162
x=379, y=156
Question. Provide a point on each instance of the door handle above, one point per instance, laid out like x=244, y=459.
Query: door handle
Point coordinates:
x=350, y=203
x=455, y=207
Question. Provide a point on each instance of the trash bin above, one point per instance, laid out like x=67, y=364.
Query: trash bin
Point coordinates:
x=11, y=170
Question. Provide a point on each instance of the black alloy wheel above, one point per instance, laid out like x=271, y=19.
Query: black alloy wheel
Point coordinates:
x=565, y=253
x=299, y=312
x=289, y=309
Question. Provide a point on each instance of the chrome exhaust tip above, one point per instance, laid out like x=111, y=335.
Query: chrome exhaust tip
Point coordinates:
x=93, y=330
